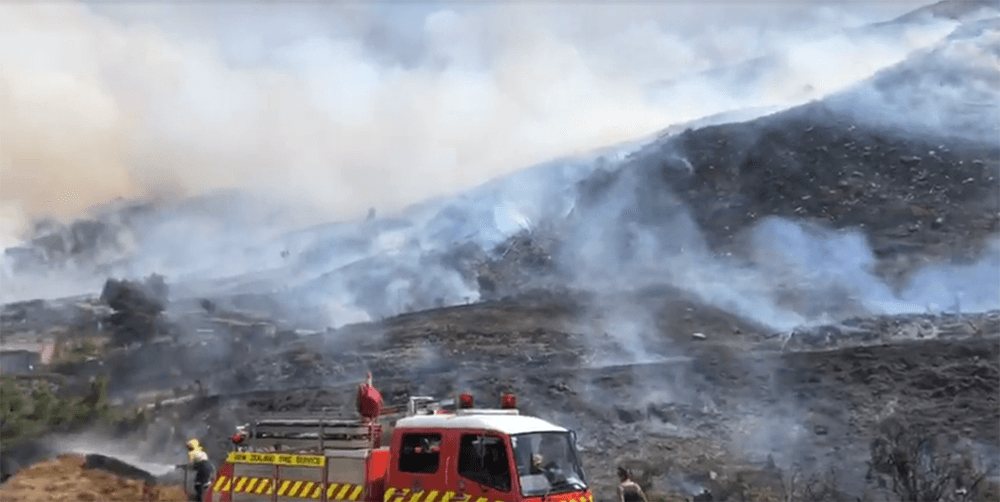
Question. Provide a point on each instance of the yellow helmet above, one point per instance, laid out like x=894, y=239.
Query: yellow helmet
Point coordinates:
x=193, y=444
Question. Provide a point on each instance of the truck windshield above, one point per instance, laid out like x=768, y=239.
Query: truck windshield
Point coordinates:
x=547, y=463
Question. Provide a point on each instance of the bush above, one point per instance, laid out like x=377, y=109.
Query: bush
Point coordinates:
x=87, y=348
x=31, y=413
x=12, y=402
x=43, y=402
x=137, y=307
x=62, y=415
x=918, y=469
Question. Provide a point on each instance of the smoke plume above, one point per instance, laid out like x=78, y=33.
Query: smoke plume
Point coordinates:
x=244, y=123
x=339, y=108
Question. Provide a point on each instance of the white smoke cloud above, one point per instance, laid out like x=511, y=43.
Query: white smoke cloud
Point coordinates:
x=346, y=107
x=795, y=273
x=328, y=110
x=931, y=98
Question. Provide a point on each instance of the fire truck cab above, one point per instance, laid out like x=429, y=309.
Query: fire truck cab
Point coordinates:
x=436, y=454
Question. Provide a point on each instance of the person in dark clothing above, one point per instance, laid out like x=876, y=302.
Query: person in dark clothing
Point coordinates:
x=203, y=469
x=628, y=490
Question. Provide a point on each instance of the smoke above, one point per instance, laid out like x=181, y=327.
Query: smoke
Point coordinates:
x=315, y=113
x=816, y=262
x=797, y=273
x=924, y=95
x=339, y=108
x=93, y=443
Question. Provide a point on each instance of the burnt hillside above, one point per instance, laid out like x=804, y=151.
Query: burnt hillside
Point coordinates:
x=915, y=198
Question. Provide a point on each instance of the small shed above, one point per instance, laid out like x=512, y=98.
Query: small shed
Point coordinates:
x=25, y=357
x=18, y=361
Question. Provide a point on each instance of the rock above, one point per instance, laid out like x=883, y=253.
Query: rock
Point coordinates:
x=115, y=466
x=629, y=416
x=663, y=412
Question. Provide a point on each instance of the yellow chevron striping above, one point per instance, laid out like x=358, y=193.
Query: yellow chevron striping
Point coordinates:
x=317, y=491
x=284, y=488
x=262, y=486
x=482, y=499
x=343, y=492
x=295, y=488
x=330, y=490
x=431, y=496
x=267, y=487
x=306, y=490
x=253, y=483
x=401, y=496
x=388, y=494
x=239, y=484
x=357, y=492
x=448, y=496
x=218, y=483
x=416, y=497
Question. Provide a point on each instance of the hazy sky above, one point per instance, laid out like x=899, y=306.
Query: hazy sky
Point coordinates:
x=341, y=107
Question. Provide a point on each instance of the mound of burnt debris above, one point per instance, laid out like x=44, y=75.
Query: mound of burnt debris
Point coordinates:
x=523, y=262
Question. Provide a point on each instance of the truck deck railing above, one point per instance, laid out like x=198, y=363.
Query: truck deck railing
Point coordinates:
x=312, y=434
x=320, y=432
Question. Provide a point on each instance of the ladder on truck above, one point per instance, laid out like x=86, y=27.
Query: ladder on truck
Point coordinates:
x=311, y=433
x=319, y=432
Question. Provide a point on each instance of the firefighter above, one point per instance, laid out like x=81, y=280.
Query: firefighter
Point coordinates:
x=629, y=490
x=199, y=463
x=536, y=464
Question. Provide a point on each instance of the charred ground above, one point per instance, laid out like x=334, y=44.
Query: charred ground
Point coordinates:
x=696, y=414
x=916, y=198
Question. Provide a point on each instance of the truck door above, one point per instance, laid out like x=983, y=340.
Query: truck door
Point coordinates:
x=484, y=468
x=418, y=473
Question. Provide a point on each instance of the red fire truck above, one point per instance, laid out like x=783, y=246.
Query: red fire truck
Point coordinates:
x=439, y=452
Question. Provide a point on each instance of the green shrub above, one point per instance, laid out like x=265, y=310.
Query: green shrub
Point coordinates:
x=88, y=348
x=33, y=413
x=12, y=401
x=43, y=400
x=62, y=414
x=139, y=418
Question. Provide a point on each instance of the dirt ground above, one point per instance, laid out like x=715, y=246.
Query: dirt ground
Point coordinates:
x=66, y=480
